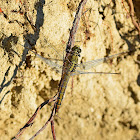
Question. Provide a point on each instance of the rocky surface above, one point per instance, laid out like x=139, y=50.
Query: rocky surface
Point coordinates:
x=100, y=107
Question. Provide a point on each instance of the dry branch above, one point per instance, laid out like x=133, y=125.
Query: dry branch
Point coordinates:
x=70, y=44
x=73, y=31
x=132, y=16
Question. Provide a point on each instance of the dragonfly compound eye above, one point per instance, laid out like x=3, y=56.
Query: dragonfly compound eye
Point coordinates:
x=76, y=48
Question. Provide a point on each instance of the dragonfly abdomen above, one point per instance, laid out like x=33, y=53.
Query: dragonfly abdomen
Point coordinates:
x=61, y=90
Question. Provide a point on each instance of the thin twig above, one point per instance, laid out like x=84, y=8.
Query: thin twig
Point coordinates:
x=70, y=44
x=53, y=130
x=74, y=29
x=49, y=120
x=31, y=120
x=132, y=16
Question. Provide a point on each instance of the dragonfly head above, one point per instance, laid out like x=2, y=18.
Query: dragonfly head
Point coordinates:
x=76, y=49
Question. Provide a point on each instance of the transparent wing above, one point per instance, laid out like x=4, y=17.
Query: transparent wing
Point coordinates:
x=82, y=72
x=52, y=64
x=93, y=63
x=55, y=66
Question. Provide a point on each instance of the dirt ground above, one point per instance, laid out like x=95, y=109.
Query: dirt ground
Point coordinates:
x=98, y=107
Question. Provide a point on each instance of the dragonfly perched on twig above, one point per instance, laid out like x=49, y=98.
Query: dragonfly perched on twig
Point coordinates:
x=70, y=67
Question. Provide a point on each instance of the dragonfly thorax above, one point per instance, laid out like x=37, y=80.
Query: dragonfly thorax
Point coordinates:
x=71, y=60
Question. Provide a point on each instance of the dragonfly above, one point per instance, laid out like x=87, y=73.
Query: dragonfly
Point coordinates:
x=71, y=67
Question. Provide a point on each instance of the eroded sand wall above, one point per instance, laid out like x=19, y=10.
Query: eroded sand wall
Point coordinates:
x=101, y=106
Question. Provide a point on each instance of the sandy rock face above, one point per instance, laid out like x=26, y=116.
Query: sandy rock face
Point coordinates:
x=100, y=106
